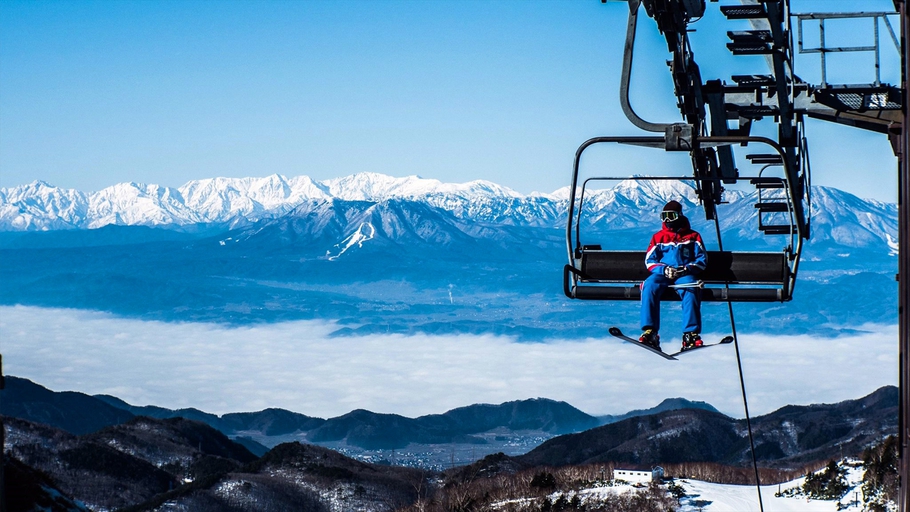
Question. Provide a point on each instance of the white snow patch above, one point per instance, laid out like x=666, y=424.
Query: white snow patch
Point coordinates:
x=357, y=238
x=709, y=497
x=892, y=245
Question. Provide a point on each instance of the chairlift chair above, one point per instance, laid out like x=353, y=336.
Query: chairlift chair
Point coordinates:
x=596, y=274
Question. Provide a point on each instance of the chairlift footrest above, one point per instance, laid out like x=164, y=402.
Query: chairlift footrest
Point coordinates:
x=757, y=111
x=739, y=36
x=749, y=49
x=750, y=42
x=754, y=80
x=767, y=158
x=743, y=12
x=772, y=207
x=776, y=230
x=767, y=183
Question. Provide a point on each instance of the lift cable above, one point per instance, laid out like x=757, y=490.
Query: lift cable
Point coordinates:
x=742, y=382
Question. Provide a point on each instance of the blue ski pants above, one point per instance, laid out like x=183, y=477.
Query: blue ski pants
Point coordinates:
x=651, y=291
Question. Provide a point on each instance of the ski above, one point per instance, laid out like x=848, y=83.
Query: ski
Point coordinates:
x=614, y=331
x=726, y=340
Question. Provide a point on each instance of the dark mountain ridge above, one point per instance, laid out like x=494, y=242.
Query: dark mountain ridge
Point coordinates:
x=389, y=431
x=784, y=438
x=169, y=441
x=146, y=462
x=360, y=428
x=683, y=432
x=86, y=469
x=74, y=412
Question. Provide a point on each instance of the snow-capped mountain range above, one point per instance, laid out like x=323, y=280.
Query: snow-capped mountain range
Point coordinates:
x=236, y=202
x=40, y=206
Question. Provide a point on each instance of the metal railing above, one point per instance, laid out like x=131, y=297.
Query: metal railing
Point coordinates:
x=823, y=49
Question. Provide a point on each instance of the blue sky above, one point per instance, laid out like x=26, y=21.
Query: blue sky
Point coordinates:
x=94, y=93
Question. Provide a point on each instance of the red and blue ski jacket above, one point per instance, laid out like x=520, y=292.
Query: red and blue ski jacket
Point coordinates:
x=680, y=248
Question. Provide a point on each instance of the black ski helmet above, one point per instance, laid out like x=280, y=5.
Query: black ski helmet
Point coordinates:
x=672, y=215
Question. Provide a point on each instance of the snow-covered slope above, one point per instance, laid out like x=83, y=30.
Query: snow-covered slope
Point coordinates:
x=40, y=206
x=370, y=186
x=225, y=199
x=136, y=204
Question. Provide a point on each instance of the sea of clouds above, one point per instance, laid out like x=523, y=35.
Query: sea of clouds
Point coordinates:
x=299, y=367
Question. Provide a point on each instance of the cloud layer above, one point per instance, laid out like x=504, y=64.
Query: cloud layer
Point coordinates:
x=296, y=366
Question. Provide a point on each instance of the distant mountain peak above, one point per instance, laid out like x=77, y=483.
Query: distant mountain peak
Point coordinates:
x=668, y=404
x=656, y=188
x=681, y=403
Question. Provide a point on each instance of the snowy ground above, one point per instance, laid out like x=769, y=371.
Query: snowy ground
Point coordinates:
x=744, y=498
x=708, y=497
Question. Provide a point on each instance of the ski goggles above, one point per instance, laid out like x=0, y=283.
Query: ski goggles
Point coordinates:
x=668, y=216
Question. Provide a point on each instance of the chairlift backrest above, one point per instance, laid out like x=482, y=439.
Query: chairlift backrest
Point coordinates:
x=738, y=276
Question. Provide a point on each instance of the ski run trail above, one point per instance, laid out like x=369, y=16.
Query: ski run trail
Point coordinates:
x=708, y=497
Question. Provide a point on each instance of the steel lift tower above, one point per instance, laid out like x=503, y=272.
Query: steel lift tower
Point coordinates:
x=902, y=148
x=717, y=111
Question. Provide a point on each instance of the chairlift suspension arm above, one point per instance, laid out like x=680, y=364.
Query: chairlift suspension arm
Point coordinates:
x=673, y=17
x=687, y=84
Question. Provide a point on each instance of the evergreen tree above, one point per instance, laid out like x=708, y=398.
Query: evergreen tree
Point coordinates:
x=881, y=479
x=829, y=484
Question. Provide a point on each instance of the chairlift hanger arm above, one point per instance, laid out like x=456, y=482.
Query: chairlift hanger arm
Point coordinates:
x=627, y=74
x=672, y=18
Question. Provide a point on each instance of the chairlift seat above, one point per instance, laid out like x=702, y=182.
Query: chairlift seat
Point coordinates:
x=734, y=276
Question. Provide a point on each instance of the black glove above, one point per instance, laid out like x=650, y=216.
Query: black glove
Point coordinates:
x=675, y=273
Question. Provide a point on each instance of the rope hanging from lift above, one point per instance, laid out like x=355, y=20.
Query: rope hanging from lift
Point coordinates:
x=742, y=382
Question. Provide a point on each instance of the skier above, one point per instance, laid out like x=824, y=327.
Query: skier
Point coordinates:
x=675, y=255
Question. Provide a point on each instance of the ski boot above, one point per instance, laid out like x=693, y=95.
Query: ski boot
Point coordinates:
x=650, y=338
x=691, y=340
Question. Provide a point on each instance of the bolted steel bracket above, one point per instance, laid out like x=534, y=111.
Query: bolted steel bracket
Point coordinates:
x=679, y=137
